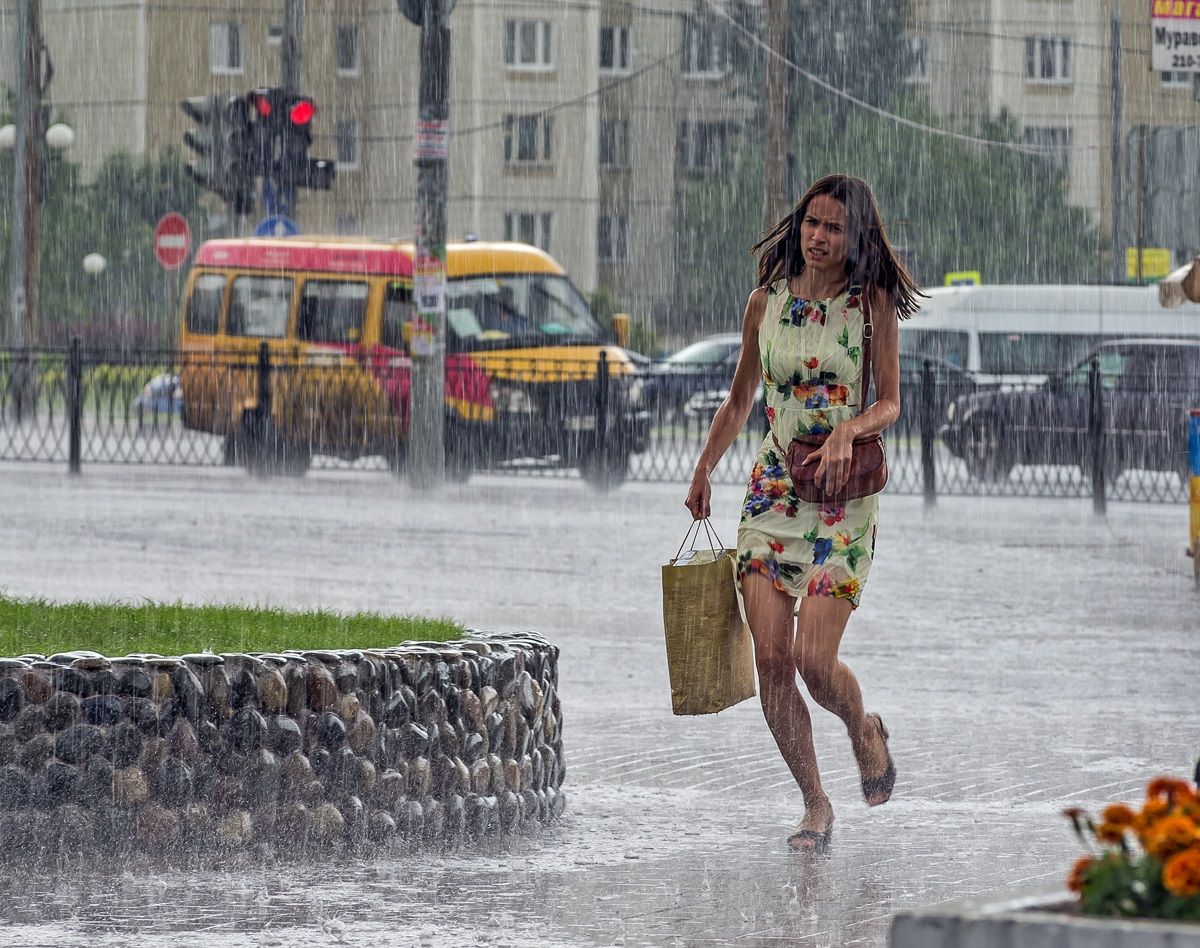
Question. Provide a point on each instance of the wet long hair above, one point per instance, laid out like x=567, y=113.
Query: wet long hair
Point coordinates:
x=871, y=263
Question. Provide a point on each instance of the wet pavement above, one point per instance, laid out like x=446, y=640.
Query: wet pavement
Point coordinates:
x=1025, y=655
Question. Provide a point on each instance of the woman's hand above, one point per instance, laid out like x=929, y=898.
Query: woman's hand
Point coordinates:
x=833, y=460
x=699, y=496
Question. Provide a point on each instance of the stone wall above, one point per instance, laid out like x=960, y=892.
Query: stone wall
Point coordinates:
x=278, y=754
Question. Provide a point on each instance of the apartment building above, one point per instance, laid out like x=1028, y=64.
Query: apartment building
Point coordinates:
x=1049, y=63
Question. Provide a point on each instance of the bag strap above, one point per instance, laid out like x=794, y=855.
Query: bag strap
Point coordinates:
x=693, y=534
x=866, y=382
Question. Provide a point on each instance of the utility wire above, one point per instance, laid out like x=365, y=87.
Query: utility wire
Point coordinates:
x=884, y=113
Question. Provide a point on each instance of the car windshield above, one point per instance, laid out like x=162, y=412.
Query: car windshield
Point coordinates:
x=526, y=308
x=704, y=352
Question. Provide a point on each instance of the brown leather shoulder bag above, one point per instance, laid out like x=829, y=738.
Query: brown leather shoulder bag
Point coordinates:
x=868, y=462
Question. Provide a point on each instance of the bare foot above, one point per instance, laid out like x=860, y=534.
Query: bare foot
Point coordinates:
x=815, y=830
x=875, y=763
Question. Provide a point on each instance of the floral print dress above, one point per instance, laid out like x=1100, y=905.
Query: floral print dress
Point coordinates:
x=811, y=352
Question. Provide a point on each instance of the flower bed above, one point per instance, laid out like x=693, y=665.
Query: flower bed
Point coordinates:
x=1138, y=887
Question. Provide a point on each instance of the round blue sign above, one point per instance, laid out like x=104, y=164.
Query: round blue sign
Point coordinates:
x=276, y=225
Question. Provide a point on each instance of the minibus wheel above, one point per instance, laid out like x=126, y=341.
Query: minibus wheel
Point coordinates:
x=265, y=453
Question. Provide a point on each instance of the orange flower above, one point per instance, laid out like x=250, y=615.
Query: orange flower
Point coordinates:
x=1115, y=819
x=1108, y=832
x=1172, y=835
x=1152, y=811
x=1181, y=874
x=1170, y=787
x=1078, y=874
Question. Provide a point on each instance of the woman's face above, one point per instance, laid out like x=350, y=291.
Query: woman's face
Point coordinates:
x=823, y=238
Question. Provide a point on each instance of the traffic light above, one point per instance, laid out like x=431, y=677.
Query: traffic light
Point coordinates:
x=282, y=136
x=221, y=143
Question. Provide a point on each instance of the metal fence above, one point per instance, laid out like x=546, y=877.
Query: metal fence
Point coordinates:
x=283, y=411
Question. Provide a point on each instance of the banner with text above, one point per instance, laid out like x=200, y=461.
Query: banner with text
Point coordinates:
x=1175, y=35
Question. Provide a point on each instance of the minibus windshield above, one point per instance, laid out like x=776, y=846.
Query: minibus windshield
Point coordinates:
x=522, y=308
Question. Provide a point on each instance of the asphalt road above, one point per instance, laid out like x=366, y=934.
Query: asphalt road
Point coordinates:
x=1025, y=654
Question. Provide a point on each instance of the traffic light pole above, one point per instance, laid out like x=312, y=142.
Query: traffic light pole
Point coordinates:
x=426, y=442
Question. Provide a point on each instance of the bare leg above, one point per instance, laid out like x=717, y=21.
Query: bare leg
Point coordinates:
x=770, y=615
x=819, y=629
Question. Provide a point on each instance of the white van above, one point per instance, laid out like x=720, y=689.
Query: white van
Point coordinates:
x=1012, y=335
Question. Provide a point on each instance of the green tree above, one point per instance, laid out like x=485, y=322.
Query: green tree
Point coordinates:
x=131, y=304
x=949, y=205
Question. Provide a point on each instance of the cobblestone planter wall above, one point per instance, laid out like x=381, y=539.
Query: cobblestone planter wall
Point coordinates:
x=277, y=754
x=1040, y=917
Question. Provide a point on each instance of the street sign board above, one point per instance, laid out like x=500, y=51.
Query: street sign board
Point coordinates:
x=1174, y=36
x=172, y=240
x=276, y=225
x=1156, y=263
x=963, y=278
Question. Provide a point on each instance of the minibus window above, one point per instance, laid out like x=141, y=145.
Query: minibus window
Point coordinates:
x=950, y=345
x=397, y=310
x=259, y=306
x=530, y=309
x=1031, y=353
x=332, y=311
x=204, y=305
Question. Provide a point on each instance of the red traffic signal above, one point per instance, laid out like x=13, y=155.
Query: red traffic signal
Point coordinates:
x=302, y=110
x=261, y=102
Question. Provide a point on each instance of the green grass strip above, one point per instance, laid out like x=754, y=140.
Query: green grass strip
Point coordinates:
x=114, y=629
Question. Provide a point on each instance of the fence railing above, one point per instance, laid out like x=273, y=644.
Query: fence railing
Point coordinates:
x=283, y=411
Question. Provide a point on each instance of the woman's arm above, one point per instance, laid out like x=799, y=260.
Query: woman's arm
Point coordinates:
x=833, y=457
x=735, y=409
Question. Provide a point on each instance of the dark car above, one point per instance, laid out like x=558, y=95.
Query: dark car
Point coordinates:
x=703, y=366
x=950, y=382
x=1148, y=387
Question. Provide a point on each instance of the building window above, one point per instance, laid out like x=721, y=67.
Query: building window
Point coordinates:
x=346, y=144
x=918, y=51
x=614, y=49
x=225, y=48
x=529, y=227
x=703, y=48
x=527, y=44
x=528, y=139
x=1047, y=59
x=614, y=143
x=347, y=51
x=612, y=239
x=700, y=146
x=1053, y=142
x=1176, y=80
x=275, y=34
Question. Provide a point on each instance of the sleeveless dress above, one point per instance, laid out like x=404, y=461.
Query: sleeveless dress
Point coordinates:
x=811, y=353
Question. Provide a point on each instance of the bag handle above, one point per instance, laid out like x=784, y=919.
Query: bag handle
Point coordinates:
x=693, y=534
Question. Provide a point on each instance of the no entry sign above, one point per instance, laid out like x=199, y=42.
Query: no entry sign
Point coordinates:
x=172, y=240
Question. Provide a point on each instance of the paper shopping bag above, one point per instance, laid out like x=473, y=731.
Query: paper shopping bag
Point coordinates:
x=710, y=655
